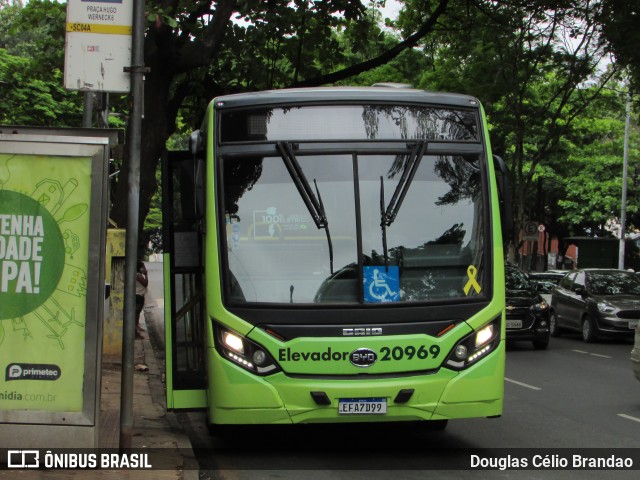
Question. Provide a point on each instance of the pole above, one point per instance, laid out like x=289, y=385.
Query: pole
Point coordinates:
x=87, y=112
x=625, y=163
x=133, y=207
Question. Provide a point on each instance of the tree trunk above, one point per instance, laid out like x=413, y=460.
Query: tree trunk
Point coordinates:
x=157, y=126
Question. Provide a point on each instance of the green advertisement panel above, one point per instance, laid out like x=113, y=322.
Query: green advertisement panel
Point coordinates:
x=45, y=205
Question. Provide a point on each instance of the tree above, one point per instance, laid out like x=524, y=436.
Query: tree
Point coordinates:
x=529, y=63
x=31, y=59
x=592, y=169
x=620, y=20
x=406, y=68
x=195, y=51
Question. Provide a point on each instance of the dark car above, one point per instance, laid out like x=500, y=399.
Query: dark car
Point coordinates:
x=527, y=312
x=545, y=282
x=597, y=303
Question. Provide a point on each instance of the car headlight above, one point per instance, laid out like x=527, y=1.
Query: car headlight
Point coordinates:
x=475, y=346
x=539, y=307
x=243, y=352
x=605, y=307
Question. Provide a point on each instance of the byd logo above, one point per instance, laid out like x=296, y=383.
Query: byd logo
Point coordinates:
x=363, y=357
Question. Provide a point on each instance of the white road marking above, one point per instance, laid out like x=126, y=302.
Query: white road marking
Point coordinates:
x=522, y=384
x=629, y=417
x=592, y=354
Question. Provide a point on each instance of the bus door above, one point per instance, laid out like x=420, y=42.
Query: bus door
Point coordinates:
x=183, y=280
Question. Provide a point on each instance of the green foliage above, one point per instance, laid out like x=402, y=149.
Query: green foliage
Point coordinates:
x=620, y=20
x=35, y=31
x=592, y=168
x=561, y=137
x=405, y=68
x=279, y=42
x=533, y=83
x=31, y=62
x=27, y=99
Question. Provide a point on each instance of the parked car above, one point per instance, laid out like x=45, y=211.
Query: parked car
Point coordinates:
x=635, y=354
x=527, y=313
x=545, y=282
x=597, y=303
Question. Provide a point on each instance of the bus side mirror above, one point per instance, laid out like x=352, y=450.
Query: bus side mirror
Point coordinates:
x=195, y=143
x=504, y=195
x=192, y=180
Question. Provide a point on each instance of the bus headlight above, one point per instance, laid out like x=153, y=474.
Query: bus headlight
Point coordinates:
x=484, y=335
x=233, y=341
x=475, y=346
x=243, y=352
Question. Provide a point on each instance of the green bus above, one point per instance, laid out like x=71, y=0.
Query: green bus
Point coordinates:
x=335, y=255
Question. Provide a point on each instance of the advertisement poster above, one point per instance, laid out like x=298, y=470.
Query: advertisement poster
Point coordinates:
x=44, y=232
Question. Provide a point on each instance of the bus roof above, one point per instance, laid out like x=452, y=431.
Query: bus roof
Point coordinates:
x=344, y=94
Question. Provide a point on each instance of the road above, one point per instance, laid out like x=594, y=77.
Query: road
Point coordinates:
x=571, y=396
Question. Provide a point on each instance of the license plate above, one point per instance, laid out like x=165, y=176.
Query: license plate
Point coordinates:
x=514, y=323
x=633, y=324
x=362, y=406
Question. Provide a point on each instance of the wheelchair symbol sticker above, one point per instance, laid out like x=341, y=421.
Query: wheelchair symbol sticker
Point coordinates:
x=381, y=284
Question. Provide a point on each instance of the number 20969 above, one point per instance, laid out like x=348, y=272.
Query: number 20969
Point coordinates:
x=409, y=352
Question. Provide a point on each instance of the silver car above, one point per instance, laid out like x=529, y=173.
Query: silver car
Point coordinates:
x=635, y=353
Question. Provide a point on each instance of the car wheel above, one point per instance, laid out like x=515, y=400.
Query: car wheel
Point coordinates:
x=554, y=329
x=541, y=343
x=588, y=330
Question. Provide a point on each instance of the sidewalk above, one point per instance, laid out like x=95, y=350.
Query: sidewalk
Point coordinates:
x=153, y=427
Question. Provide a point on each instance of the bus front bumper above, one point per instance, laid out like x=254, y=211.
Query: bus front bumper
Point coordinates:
x=239, y=397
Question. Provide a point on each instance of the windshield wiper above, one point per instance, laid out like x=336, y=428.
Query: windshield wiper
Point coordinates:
x=388, y=213
x=312, y=201
x=417, y=152
x=383, y=225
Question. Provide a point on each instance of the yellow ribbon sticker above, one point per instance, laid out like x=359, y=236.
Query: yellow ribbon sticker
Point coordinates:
x=471, y=273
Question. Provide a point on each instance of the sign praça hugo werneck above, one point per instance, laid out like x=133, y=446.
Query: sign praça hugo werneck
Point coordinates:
x=44, y=244
x=98, y=45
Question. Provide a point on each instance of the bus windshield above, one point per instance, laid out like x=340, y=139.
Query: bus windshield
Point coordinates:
x=277, y=254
